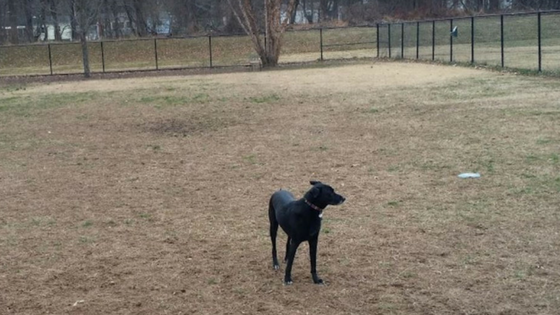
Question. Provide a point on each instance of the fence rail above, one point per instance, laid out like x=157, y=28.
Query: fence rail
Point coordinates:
x=525, y=41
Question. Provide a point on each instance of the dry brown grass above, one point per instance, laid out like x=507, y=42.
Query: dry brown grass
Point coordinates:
x=149, y=196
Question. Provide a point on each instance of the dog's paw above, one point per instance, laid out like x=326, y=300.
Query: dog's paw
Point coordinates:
x=318, y=281
x=276, y=266
x=288, y=280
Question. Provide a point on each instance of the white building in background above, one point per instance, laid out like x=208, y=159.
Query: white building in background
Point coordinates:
x=48, y=34
x=20, y=28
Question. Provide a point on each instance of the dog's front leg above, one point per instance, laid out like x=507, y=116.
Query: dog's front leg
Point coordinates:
x=291, y=255
x=313, y=257
x=288, y=242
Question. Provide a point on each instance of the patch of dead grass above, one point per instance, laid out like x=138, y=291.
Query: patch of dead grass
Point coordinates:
x=137, y=207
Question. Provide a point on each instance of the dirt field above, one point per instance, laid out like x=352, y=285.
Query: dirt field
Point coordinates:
x=149, y=195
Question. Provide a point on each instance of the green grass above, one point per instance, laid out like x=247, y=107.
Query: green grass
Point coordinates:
x=251, y=159
x=86, y=240
x=26, y=106
x=145, y=216
x=164, y=101
x=372, y=110
x=271, y=98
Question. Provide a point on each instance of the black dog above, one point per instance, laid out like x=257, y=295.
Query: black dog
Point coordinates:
x=301, y=220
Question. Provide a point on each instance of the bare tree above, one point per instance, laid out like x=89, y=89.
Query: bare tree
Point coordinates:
x=3, y=10
x=85, y=15
x=267, y=47
x=308, y=10
x=12, y=16
x=187, y=15
x=294, y=13
x=28, y=9
x=329, y=9
x=194, y=16
x=139, y=16
x=53, y=9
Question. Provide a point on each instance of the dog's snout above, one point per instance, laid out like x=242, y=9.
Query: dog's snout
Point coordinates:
x=342, y=200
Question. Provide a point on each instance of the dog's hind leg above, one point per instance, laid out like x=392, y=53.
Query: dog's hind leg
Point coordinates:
x=273, y=232
x=291, y=255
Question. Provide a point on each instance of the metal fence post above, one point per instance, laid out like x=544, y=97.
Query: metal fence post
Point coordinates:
x=472, y=39
x=389, y=42
x=540, y=41
x=451, y=40
x=377, y=36
x=433, y=40
x=502, y=38
x=102, y=57
x=210, y=50
x=155, y=53
x=321, y=41
x=417, y=40
x=50, y=58
x=402, y=40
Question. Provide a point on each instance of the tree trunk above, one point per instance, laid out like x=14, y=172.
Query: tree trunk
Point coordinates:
x=323, y=10
x=268, y=48
x=131, y=20
x=73, y=24
x=116, y=25
x=334, y=10
x=273, y=36
x=308, y=15
x=87, y=14
x=105, y=20
x=494, y=5
x=100, y=27
x=28, y=8
x=140, y=19
x=192, y=23
x=13, y=14
x=480, y=6
x=294, y=13
x=329, y=9
x=41, y=27
x=2, y=22
x=54, y=14
x=85, y=53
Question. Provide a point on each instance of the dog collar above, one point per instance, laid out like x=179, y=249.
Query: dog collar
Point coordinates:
x=314, y=207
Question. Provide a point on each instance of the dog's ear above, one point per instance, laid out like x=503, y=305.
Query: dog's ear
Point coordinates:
x=315, y=192
x=314, y=182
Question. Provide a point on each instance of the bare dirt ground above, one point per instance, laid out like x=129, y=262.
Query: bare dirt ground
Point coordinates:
x=149, y=195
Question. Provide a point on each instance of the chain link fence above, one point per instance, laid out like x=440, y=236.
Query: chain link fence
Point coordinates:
x=183, y=53
x=528, y=41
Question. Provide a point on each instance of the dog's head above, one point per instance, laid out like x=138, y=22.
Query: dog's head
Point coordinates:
x=322, y=195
